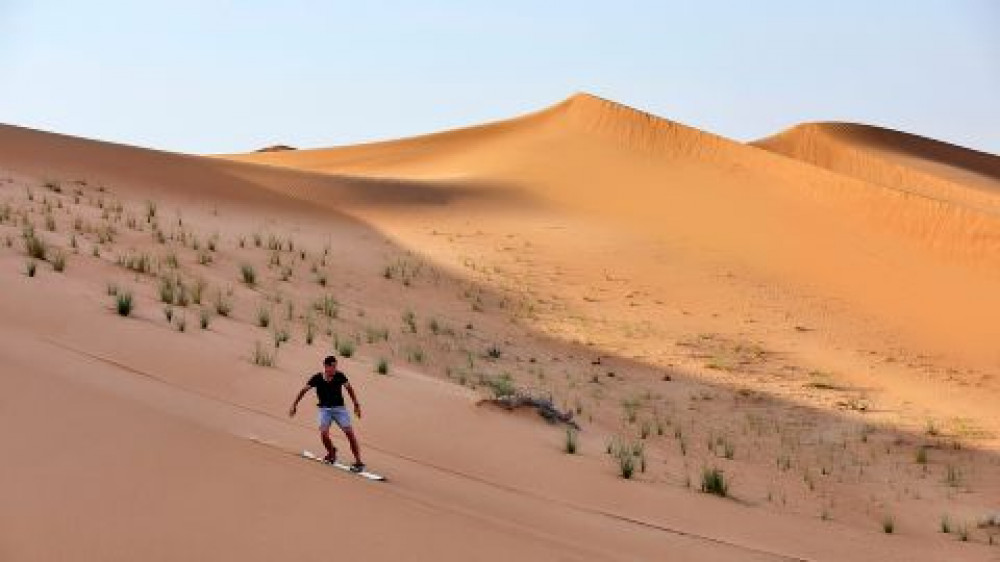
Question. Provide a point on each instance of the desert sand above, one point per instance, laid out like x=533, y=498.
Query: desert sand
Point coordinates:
x=811, y=314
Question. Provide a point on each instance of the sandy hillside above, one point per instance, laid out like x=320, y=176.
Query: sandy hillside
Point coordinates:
x=895, y=159
x=692, y=301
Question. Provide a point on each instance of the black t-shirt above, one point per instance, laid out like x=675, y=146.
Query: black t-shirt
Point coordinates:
x=329, y=392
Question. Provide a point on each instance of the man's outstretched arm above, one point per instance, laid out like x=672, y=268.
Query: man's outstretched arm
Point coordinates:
x=305, y=389
x=354, y=398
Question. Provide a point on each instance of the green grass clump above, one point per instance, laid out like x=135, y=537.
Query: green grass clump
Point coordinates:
x=345, y=348
x=410, y=320
x=571, y=445
x=713, y=481
x=310, y=331
x=262, y=358
x=373, y=335
x=626, y=462
x=222, y=306
x=123, y=302
x=382, y=367
x=501, y=386
x=263, y=316
x=167, y=290
x=35, y=246
x=888, y=524
x=249, y=274
x=328, y=306
x=415, y=355
x=952, y=476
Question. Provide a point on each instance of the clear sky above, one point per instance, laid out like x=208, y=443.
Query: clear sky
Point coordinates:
x=220, y=76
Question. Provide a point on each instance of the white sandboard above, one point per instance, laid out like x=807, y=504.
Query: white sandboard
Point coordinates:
x=364, y=473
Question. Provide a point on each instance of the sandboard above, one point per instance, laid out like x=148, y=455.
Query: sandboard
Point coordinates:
x=364, y=473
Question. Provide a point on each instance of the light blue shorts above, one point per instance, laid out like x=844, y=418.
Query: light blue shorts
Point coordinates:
x=336, y=414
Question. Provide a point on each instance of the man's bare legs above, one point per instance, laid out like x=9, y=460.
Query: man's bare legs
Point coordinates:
x=349, y=432
x=324, y=434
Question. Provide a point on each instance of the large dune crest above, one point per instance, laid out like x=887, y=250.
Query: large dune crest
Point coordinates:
x=895, y=159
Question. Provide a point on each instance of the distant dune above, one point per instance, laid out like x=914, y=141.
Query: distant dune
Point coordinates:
x=894, y=159
x=796, y=206
x=276, y=148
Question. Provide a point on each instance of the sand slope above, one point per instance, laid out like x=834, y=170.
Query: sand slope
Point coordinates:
x=895, y=159
x=585, y=232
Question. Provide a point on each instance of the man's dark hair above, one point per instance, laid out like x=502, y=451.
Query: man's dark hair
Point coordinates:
x=330, y=360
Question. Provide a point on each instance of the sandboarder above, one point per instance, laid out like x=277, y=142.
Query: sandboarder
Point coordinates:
x=328, y=385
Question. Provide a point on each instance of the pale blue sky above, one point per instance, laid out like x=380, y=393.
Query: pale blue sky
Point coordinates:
x=214, y=76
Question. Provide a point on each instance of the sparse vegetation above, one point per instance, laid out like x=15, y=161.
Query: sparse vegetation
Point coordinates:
x=262, y=357
x=410, y=320
x=501, y=386
x=328, y=306
x=34, y=245
x=952, y=476
x=59, y=262
x=382, y=367
x=249, y=274
x=345, y=348
x=415, y=355
x=571, y=441
x=713, y=481
x=888, y=524
x=263, y=316
x=310, y=331
x=30, y=268
x=222, y=306
x=123, y=302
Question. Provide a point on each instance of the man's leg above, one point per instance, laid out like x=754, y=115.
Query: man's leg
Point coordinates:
x=324, y=434
x=354, y=444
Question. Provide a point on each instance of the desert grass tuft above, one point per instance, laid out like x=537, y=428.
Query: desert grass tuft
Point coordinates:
x=262, y=357
x=123, y=302
x=263, y=316
x=222, y=306
x=34, y=246
x=248, y=274
x=345, y=348
x=328, y=306
x=571, y=444
x=382, y=367
x=713, y=481
x=888, y=524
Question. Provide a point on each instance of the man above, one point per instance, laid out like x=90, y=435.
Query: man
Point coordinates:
x=328, y=385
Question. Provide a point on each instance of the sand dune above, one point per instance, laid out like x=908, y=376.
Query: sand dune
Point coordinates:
x=783, y=217
x=780, y=311
x=894, y=159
